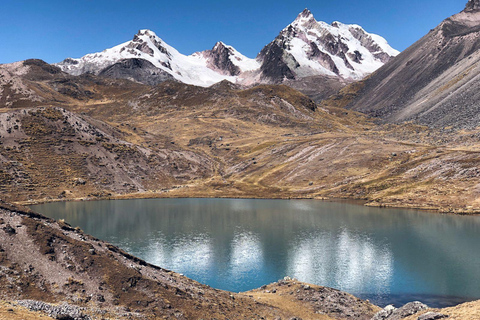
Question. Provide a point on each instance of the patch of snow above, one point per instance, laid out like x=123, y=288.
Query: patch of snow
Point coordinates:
x=244, y=63
x=148, y=46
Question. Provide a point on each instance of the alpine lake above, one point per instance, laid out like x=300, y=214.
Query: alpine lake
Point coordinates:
x=389, y=256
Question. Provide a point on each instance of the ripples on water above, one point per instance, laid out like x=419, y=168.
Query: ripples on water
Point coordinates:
x=385, y=255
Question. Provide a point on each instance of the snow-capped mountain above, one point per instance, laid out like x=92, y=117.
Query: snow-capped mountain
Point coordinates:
x=148, y=46
x=308, y=47
x=304, y=48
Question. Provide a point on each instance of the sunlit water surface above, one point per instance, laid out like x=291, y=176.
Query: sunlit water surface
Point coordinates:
x=385, y=255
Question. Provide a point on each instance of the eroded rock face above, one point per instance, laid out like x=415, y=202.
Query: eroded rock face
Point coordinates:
x=219, y=59
x=277, y=65
x=473, y=5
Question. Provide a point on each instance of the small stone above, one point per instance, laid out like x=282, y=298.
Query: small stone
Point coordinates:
x=79, y=181
x=385, y=313
x=389, y=308
x=9, y=229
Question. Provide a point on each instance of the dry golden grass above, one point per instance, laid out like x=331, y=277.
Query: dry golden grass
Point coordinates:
x=289, y=304
x=466, y=311
x=268, y=142
x=10, y=311
x=313, y=302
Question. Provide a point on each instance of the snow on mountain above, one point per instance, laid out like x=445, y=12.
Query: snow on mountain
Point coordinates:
x=304, y=48
x=308, y=47
x=226, y=60
x=147, y=45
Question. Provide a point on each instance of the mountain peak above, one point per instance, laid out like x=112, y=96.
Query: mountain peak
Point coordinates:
x=219, y=45
x=146, y=32
x=473, y=5
x=305, y=15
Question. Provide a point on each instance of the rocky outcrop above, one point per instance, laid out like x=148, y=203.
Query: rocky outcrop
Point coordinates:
x=432, y=316
x=220, y=58
x=392, y=313
x=138, y=70
x=473, y=5
x=321, y=300
x=277, y=65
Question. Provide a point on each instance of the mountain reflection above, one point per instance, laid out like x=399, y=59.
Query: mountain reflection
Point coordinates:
x=193, y=254
x=246, y=255
x=239, y=245
x=346, y=261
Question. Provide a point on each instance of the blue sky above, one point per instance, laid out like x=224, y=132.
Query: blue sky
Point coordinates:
x=56, y=29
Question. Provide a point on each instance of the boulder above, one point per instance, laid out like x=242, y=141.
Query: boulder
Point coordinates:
x=391, y=313
x=432, y=316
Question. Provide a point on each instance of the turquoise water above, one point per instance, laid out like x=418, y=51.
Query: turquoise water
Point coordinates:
x=385, y=255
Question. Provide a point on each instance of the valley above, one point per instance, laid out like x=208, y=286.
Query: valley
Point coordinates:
x=117, y=139
x=324, y=112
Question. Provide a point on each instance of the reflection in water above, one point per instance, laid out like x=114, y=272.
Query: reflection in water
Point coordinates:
x=351, y=263
x=194, y=255
x=384, y=255
x=187, y=254
x=246, y=255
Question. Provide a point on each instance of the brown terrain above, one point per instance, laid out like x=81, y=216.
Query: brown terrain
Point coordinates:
x=116, y=138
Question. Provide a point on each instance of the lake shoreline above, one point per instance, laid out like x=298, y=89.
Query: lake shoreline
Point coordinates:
x=164, y=195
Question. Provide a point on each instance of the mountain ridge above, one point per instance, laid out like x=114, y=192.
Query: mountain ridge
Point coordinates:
x=295, y=51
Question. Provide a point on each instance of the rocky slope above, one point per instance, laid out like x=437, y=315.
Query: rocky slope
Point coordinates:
x=70, y=155
x=434, y=82
x=304, y=48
